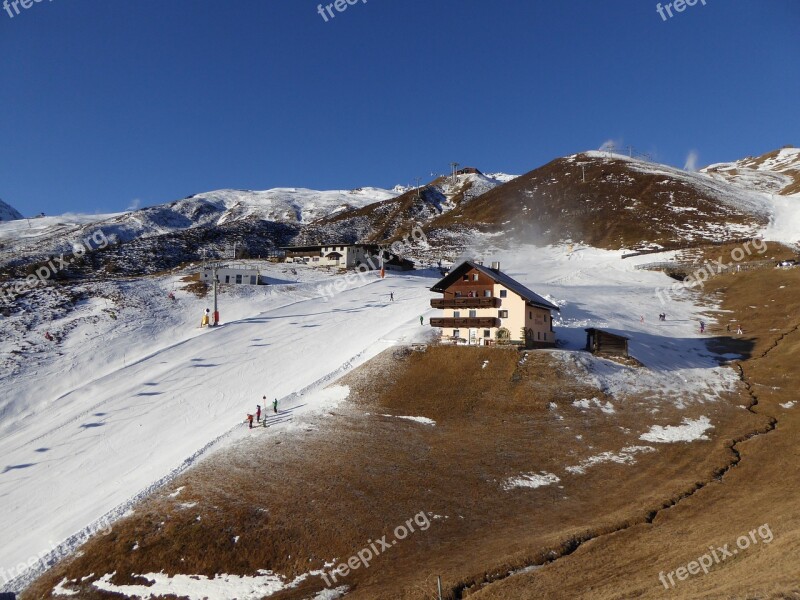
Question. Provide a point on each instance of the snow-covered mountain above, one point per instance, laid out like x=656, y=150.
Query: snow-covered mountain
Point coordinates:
x=776, y=172
x=8, y=213
x=274, y=216
x=390, y=219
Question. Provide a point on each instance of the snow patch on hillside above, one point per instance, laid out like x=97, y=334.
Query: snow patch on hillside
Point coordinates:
x=626, y=456
x=530, y=480
x=690, y=431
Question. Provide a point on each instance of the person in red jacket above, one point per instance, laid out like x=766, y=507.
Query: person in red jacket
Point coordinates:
x=250, y=420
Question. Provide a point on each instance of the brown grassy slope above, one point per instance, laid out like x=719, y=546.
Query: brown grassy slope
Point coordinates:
x=616, y=207
x=761, y=489
x=298, y=500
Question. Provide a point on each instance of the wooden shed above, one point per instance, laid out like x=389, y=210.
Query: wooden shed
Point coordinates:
x=605, y=342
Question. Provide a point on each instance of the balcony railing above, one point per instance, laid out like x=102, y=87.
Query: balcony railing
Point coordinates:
x=473, y=322
x=465, y=302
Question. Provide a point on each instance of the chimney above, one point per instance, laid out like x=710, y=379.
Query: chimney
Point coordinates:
x=478, y=262
x=496, y=267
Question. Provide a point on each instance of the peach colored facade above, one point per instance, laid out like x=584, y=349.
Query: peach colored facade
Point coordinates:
x=526, y=324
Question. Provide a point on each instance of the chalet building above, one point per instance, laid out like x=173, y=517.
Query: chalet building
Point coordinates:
x=484, y=306
x=345, y=256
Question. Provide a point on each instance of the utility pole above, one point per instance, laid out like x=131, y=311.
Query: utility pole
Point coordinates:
x=439, y=585
x=418, y=196
x=455, y=166
x=234, y=250
x=630, y=151
x=216, y=308
x=583, y=170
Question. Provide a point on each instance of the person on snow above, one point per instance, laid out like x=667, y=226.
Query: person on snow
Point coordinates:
x=702, y=326
x=250, y=420
x=391, y=296
x=275, y=405
x=264, y=400
x=421, y=320
x=258, y=413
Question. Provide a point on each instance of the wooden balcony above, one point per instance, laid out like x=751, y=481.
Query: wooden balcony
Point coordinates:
x=465, y=302
x=468, y=322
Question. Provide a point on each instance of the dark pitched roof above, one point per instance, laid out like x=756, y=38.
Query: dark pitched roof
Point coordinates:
x=605, y=331
x=499, y=277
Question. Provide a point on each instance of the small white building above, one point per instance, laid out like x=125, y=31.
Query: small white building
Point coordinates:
x=236, y=276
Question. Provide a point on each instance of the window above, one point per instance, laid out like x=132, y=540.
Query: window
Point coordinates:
x=503, y=293
x=227, y=278
x=502, y=314
x=474, y=277
x=487, y=333
x=456, y=333
x=473, y=314
x=252, y=279
x=545, y=318
x=487, y=293
x=530, y=314
x=538, y=335
x=458, y=294
x=238, y=279
x=465, y=278
x=456, y=314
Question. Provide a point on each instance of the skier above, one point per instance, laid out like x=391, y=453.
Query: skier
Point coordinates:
x=421, y=320
x=391, y=296
x=258, y=413
x=48, y=336
x=702, y=326
x=739, y=330
x=264, y=399
x=250, y=420
x=275, y=405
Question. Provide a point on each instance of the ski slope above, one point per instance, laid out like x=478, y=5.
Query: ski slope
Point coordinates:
x=114, y=430
x=80, y=461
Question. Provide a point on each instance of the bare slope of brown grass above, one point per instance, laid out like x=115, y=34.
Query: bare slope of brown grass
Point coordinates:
x=761, y=490
x=296, y=501
x=615, y=207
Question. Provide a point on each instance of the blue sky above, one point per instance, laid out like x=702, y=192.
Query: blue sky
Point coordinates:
x=110, y=104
